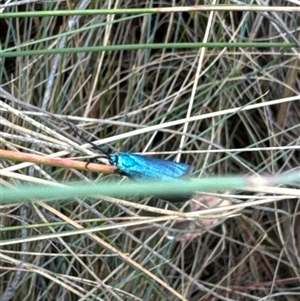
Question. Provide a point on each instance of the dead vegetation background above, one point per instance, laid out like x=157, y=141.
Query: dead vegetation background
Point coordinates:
x=250, y=256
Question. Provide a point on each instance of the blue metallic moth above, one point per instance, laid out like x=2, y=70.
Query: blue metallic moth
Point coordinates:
x=142, y=168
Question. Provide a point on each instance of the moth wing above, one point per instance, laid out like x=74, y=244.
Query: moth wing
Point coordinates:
x=142, y=168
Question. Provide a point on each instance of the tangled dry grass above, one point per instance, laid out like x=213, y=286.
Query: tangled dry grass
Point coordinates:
x=253, y=254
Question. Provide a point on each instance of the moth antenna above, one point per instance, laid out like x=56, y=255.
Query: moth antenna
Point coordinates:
x=102, y=150
x=75, y=129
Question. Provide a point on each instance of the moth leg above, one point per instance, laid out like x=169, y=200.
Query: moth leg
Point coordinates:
x=93, y=160
x=119, y=172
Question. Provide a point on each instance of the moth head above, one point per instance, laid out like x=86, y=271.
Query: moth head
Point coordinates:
x=113, y=159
